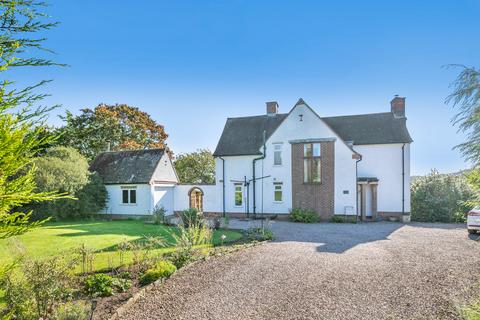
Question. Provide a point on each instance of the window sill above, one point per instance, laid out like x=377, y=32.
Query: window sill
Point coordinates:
x=128, y=204
x=278, y=202
x=278, y=165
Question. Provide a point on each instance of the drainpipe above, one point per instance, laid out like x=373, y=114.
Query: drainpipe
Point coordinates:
x=253, y=174
x=223, y=184
x=403, y=179
x=356, y=186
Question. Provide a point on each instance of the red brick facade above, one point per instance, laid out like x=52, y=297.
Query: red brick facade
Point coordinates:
x=318, y=196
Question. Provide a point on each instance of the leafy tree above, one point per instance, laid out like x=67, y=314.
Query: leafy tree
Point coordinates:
x=21, y=128
x=441, y=198
x=114, y=127
x=466, y=99
x=66, y=170
x=196, y=167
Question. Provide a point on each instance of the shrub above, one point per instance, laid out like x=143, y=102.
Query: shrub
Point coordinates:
x=66, y=170
x=72, y=311
x=337, y=219
x=440, y=198
x=99, y=285
x=471, y=311
x=259, y=234
x=186, y=240
x=163, y=269
x=181, y=257
x=191, y=217
x=158, y=215
x=122, y=285
x=303, y=215
x=17, y=298
x=32, y=291
x=342, y=219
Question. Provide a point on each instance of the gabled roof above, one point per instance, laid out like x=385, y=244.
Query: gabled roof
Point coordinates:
x=244, y=136
x=133, y=166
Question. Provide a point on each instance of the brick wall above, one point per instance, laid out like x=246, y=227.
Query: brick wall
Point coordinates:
x=319, y=197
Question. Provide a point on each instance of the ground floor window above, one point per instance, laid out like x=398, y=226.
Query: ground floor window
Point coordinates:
x=278, y=192
x=129, y=195
x=238, y=194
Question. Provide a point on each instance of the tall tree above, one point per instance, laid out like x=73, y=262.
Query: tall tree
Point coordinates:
x=114, y=127
x=196, y=167
x=66, y=170
x=21, y=128
x=466, y=99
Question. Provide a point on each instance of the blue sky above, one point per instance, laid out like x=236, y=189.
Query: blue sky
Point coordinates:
x=192, y=64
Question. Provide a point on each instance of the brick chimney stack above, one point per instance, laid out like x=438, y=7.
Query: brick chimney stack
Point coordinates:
x=398, y=106
x=272, y=108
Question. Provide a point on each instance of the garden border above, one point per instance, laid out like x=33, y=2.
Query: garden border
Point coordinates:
x=139, y=294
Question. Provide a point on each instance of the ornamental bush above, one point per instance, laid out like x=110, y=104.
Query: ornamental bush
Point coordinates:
x=162, y=269
x=99, y=285
x=303, y=215
x=259, y=234
x=191, y=217
x=441, y=198
x=72, y=311
x=103, y=285
x=32, y=290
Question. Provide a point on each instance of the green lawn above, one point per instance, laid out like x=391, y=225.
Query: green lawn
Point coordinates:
x=62, y=237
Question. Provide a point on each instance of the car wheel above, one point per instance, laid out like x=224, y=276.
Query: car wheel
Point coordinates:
x=471, y=231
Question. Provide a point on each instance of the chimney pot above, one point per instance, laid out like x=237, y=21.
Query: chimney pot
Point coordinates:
x=272, y=108
x=398, y=106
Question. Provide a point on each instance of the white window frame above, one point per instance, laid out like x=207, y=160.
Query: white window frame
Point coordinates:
x=275, y=185
x=277, y=148
x=235, y=191
x=129, y=190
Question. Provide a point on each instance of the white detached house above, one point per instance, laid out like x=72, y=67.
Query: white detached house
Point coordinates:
x=269, y=164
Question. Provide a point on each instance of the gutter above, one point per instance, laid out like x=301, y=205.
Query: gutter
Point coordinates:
x=223, y=185
x=356, y=185
x=403, y=179
x=253, y=174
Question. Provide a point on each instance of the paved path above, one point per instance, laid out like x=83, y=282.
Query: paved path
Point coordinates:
x=327, y=271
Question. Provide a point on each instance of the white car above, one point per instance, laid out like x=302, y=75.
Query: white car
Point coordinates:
x=473, y=220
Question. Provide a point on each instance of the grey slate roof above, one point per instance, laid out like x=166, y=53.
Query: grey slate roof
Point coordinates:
x=243, y=136
x=135, y=166
x=374, y=128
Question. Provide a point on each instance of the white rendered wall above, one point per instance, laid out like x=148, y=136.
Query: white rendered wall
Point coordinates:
x=311, y=127
x=163, y=196
x=115, y=205
x=212, y=197
x=236, y=168
x=384, y=161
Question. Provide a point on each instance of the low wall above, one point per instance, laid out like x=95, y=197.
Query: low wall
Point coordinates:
x=212, y=196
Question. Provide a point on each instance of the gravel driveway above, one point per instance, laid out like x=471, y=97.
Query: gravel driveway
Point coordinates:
x=327, y=271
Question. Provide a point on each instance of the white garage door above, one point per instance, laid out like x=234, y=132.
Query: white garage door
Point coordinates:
x=163, y=197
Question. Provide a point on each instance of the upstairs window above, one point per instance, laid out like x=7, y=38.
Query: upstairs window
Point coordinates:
x=129, y=195
x=278, y=192
x=277, y=154
x=238, y=195
x=312, y=163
